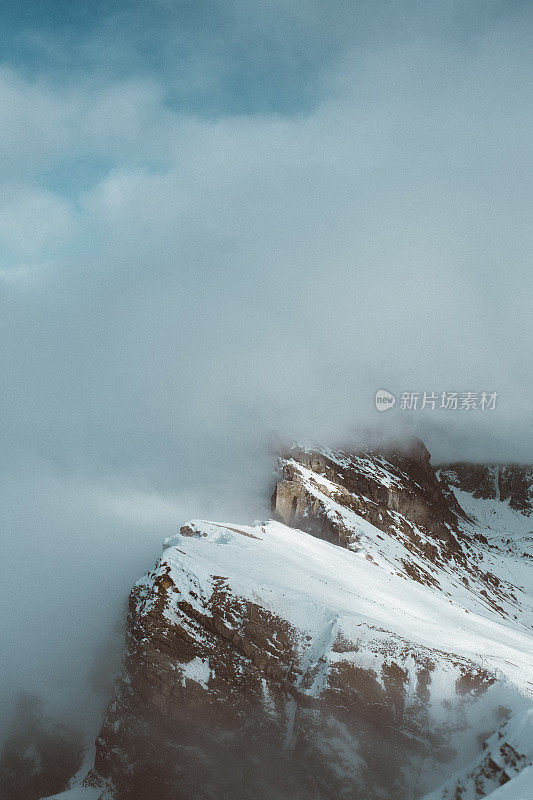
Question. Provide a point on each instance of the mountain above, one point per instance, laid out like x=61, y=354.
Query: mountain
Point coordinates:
x=512, y=483
x=372, y=641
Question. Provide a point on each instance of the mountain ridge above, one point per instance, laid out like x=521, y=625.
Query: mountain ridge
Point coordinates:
x=355, y=646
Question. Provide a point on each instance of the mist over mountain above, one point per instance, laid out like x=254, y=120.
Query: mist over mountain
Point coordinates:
x=371, y=640
x=224, y=227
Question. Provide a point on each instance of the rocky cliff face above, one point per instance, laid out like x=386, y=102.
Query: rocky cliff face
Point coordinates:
x=358, y=646
x=428, y=533
x=381, y=488
x=512, y=483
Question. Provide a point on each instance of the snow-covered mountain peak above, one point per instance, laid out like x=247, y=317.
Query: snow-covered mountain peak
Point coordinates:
x=362, y=644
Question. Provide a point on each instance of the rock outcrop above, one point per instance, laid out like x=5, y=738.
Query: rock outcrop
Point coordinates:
x=512, y=483
x=327, y=493
x=376, y=486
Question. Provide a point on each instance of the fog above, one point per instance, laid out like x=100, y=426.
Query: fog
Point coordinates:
x=226, y=227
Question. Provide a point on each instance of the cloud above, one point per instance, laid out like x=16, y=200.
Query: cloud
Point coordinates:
x=33, y=221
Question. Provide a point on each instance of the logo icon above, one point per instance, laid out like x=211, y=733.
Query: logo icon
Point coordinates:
x=384, y=400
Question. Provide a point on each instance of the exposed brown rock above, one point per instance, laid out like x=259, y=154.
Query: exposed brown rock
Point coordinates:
x=507, y=482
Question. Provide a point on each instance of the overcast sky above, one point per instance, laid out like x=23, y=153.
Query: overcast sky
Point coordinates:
x=227, y=223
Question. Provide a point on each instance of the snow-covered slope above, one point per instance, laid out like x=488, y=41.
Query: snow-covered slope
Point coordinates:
x=362, y=645
x=327, y=591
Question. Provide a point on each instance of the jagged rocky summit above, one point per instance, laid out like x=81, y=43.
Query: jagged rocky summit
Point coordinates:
x=372, y=642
